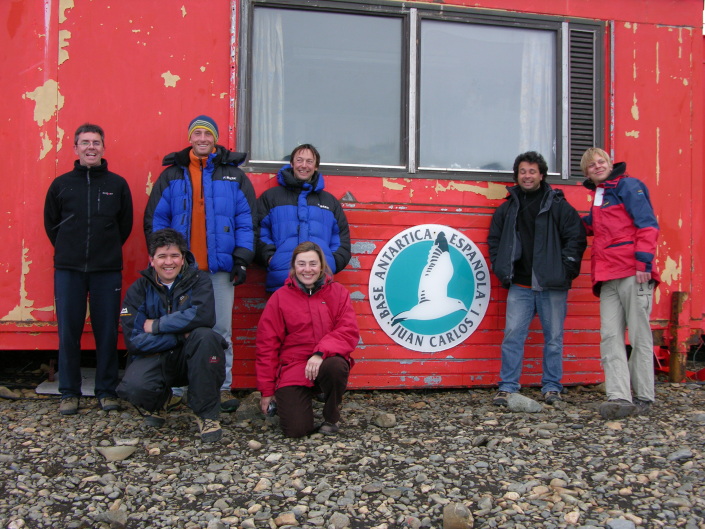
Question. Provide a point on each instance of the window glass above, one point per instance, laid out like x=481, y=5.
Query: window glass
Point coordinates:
x=330, y=79
x=487, y=93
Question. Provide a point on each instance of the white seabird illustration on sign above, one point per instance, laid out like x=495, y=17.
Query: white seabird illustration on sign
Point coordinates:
x=434, y=302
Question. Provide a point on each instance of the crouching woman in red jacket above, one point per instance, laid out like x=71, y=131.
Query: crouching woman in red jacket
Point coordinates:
x=305, y=337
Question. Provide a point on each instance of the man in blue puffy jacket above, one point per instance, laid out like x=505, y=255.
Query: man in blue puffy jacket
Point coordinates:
x=299, y=210
x=206, y=197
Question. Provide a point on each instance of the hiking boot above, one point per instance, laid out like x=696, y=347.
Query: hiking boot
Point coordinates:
x=328, y=428
x=228, y=403
x=643, y=407
x=210, y=430
x=616, y=409
x=175, y=401
x=68, y=406
x=153, y=418
x=109, y=404
x=551, y=397
x=501, y=398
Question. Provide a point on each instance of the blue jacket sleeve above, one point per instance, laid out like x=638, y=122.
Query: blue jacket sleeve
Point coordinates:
x=245, y=222
x=341, y=253
x=193, y=310
x=132, y=317
x=157, y=213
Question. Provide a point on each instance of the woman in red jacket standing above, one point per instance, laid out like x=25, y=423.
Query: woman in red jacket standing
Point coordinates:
x=305, y=337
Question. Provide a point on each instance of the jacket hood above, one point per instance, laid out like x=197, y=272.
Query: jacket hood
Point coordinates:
x=286, y=178
x=618, y=170
x=221, y=156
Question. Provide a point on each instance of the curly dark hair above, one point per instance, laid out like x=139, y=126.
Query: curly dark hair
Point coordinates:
x=531, y=157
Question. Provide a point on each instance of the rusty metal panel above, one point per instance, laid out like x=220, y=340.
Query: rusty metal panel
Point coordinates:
x=143, y=69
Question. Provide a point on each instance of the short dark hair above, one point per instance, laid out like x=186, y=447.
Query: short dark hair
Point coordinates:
x=308, y=246
x=88, y=127
x=166, y=237
x=530, y=157
x=304, y=147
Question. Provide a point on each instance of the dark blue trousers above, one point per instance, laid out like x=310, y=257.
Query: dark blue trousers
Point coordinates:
x=199, y=364
x=103, y=291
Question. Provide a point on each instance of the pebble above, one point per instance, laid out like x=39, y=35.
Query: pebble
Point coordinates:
x=428, y=454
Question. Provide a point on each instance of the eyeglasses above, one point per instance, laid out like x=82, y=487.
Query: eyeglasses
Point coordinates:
x=86, y=143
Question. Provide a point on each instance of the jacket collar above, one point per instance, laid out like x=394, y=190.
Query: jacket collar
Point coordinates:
x=102, y=168
x=221, y=156
x=286, y=178
x=619, y=171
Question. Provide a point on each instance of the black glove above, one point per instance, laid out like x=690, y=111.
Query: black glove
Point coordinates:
x=238, y=274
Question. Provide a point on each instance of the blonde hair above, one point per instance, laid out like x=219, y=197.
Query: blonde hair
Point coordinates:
x=589, y=155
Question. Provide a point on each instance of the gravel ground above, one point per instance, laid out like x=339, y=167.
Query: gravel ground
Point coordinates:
x=402, y=458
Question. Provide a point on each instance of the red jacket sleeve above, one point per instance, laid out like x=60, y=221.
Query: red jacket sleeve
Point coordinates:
x=345, y=335
x=271, y=330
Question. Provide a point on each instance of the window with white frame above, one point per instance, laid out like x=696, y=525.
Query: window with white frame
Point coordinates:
x=415, y=90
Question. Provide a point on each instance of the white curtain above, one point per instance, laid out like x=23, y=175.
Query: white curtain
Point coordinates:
x=268, y=86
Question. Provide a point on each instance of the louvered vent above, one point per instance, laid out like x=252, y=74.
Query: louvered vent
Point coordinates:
x=583, y=91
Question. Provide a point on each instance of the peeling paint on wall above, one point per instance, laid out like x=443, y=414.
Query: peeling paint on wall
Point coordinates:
x=635, y=109
x=493, y=191
x=658, y=155
x=60, y=138
x=671, y=271
x=48, y=100
x=363, y=248
x=387, y=182
x=64, y=36
x=23, y=311
x=63, y=6
x=183, y=11
x=149, y=185
x=170, y=79
x=632, y=134
x=46, y=145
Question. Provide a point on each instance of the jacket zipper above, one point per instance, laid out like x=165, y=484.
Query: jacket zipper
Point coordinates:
x=88, y=217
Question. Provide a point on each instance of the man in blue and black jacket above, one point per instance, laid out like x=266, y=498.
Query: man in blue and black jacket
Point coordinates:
x=167, y=319
x=206, y=197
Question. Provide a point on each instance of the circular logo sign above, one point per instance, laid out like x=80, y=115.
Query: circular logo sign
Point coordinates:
x=429, y=288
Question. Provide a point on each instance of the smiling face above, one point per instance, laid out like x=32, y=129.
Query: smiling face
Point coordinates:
x=202, y=141
x=307, y=267
x=529, y=176
x=89, y=148
x=304, y=164
x=167, y=263
x=599, y=169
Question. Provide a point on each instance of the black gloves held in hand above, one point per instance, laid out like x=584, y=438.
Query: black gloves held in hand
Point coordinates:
x=238, y=274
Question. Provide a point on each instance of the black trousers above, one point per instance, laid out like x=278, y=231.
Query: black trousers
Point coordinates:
x=198, y=364
x=294, y=403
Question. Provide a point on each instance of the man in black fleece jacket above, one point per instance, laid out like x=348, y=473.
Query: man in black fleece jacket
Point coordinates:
x=88, y=217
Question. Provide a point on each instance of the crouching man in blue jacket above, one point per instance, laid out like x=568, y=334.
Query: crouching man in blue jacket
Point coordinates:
x=167, y=320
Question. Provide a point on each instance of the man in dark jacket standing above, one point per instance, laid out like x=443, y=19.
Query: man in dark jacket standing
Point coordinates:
x=88, y=217
x=167, y=319
x=536, y=243
x=206, y=197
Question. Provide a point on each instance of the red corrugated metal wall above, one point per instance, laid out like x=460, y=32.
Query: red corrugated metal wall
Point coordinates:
x=143, y=69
